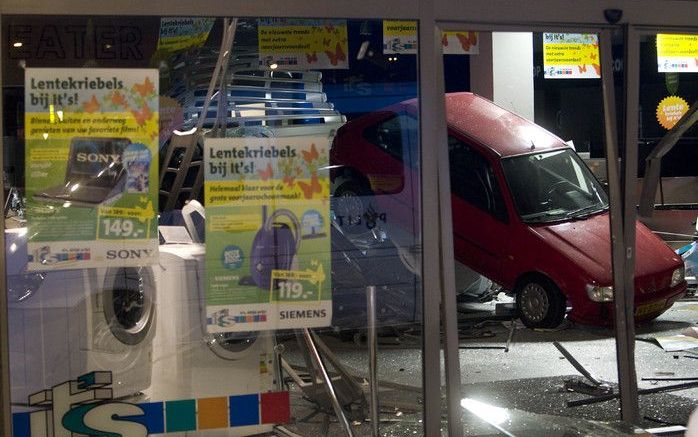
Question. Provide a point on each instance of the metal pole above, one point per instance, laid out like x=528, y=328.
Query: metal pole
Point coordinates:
x=431, y=100
x=339, y=412
x=623, y=324
x=630, y=410
x=449, y=313
x=372, y=357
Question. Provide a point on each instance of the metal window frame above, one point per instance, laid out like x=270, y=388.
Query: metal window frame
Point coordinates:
x=622, y=194
x=386, y=9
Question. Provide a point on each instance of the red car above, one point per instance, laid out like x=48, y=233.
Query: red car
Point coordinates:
x=527, y=212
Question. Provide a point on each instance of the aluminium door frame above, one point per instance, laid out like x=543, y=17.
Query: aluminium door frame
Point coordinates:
x=622, y=234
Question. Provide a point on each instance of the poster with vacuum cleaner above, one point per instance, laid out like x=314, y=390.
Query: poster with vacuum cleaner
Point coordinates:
x=268, y=256
x=91, y=135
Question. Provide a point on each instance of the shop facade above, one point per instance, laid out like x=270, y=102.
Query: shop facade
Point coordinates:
x=131, y=295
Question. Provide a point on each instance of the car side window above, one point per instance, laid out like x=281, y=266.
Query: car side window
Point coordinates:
x=396, y=136
x=473, y=179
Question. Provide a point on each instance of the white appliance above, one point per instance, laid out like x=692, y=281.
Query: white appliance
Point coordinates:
x=63, y=324
x=188, y=362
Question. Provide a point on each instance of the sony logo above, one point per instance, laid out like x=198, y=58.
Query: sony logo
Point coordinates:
x=129, y=253
x=98, y=157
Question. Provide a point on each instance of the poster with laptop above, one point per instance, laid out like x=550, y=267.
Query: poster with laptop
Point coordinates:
x=268, y=256
x=91, y=186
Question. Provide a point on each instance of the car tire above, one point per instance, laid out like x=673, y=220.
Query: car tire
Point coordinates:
x=348, y=205
x=540, y=303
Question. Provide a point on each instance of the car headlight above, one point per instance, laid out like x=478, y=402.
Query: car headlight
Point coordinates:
x=678, y=276
x=600, y=294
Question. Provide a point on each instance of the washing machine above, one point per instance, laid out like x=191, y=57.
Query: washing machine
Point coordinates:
x=63, y=324
x=189, y=362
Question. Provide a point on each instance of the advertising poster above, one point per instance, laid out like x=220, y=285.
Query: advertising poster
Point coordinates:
x=268, y=254
x=180, y=33
x=571, y=56
x=677, y=53
x=400, y=37
x=300, y=44
x=91, y=137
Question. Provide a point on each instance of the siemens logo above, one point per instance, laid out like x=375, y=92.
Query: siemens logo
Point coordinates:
x=98, y=157
x=302, y=314
x=129, y=253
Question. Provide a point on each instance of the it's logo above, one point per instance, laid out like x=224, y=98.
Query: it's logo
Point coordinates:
x=84, y=407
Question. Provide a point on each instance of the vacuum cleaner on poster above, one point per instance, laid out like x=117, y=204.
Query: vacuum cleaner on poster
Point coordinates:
x=268, y=256
x=91, y=135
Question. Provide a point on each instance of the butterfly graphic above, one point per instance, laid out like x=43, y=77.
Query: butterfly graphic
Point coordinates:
x=310, y=189
x=444, y=40
x=312, y=58
x=329, y=28
x=467, y=40
x=143, y=115
x=287, y=166
x=582, y=68
x=267, y=173
x=597, y=68
x=119, y=99
x=146, y=88
x=310, y=156
x=592, y=56
x=464, y=41
x=337, y=56
x=326, y=42
x=91, y=106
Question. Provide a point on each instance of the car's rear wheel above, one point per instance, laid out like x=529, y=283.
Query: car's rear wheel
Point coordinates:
x=540, y=303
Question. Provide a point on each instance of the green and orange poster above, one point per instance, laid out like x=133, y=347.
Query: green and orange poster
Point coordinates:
x=91, y=139
x=268, y=255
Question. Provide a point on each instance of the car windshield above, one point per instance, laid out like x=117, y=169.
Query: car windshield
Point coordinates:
x=553, y=186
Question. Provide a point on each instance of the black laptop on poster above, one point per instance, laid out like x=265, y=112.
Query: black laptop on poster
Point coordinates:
x=95, y=173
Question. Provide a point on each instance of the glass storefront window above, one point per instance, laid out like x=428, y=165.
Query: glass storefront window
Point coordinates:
x=192, y=226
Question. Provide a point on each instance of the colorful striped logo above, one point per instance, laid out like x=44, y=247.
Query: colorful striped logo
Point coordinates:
x=196, y=414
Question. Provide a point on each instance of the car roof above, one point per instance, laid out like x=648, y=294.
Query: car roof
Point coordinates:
x=494, y=127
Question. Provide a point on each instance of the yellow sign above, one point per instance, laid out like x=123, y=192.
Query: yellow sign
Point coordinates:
x=670, y=110
x=677, y=53
x=399, y=36
x=303, y=44
x=571, y=56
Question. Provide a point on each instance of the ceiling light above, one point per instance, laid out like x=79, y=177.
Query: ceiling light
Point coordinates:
x=17, y=44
